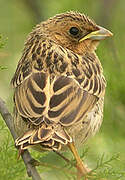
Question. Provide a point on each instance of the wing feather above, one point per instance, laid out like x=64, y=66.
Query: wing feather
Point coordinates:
x=54, y=86
x=65, y=105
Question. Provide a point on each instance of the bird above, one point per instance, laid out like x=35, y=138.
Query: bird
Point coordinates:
x=59, y=86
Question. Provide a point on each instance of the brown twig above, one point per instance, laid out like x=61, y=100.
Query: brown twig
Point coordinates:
x=7, y=117
x=63, y=157
x=55, y=167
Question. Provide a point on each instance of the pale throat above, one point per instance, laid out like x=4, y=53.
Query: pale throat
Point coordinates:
x=83, y=47
x=87, y=46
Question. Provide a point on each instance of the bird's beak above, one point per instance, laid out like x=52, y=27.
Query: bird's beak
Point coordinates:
x=100, y=34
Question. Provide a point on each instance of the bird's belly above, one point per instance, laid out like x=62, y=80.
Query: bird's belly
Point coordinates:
x=88, y=126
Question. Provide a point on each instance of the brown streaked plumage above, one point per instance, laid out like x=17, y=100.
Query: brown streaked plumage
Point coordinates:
x=59, y=85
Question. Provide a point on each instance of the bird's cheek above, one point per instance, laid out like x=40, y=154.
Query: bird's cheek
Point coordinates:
x=86, y=44
x=95, y=44
x=61, y=40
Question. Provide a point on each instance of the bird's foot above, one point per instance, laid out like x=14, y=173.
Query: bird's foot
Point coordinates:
x=34, y=162
x=82, y=171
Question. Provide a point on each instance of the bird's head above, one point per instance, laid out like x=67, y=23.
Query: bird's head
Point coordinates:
x=74, y=31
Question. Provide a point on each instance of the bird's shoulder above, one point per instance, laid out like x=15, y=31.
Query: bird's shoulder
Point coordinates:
x=89, y=74
x=45, y=56
x=40, y=55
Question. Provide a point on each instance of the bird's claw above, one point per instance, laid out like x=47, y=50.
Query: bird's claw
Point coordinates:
x=34, y=162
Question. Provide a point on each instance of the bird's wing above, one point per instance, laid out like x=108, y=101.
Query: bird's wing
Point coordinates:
x=50, y=107
x=69, y=102
x=63, y=101
x=48, y=90
x=53, y=94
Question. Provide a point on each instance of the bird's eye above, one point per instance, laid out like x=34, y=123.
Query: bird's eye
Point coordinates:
x=74, y=31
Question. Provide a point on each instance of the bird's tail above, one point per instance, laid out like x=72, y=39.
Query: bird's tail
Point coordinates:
x=45, y=136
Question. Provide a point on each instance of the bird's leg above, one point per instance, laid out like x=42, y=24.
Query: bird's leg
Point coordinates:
x=63, y=157
x=81, y=169
x=20, y=151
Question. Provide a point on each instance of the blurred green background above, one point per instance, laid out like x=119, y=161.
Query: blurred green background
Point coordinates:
x=17, y=18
